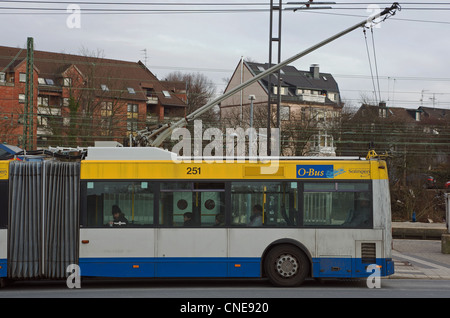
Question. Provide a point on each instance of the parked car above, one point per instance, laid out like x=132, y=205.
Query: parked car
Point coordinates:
x=447, y=185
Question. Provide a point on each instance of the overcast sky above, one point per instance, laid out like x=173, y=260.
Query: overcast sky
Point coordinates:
x=412, y=48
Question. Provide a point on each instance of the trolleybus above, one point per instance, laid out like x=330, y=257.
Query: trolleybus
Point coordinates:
x=314, y=217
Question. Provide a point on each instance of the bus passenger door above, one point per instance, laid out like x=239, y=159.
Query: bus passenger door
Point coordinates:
x=192, y=239
x=117, y=234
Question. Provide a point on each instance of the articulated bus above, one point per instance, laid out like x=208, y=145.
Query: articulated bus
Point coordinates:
x=135, y=212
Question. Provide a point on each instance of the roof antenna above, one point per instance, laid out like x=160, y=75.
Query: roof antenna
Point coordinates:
x=145, y=56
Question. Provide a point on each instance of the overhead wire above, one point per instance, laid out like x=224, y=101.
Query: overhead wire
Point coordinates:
x=144, y=7
x=133, y=11
x=376, y=64
x=370, y=66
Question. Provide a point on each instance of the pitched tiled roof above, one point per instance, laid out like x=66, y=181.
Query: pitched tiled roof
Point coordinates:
x=117, y=75
x=435, y=114
x=393, y=114
x=291, y=77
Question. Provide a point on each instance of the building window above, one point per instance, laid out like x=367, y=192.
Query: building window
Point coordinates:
x=283, y=90
x=67, y=81
x=21, y=98
x=22, y=77
x=285, y=112
x=131, y=90
x=42, y=121
x=132, y=116
x=106, y=110
x=104, y=88
x=42, y=101
x=41, y=81
x=2, y=77
x=166, y=94
x=132, y=111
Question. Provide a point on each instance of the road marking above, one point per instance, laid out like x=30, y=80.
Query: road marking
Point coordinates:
x=416, y=260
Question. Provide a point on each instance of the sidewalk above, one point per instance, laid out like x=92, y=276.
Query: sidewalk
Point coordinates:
x=419, y=258
x=418, y=230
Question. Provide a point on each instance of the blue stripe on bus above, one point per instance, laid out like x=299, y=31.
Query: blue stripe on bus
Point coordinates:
x=350, y=267
x=219, y=267
x=3, y=267
x=170, y=267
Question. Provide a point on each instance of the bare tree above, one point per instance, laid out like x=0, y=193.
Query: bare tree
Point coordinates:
x=200, y=90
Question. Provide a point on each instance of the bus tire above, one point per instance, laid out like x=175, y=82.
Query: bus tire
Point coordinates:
x=286, y=266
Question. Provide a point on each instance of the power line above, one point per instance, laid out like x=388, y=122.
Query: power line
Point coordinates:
x=207, y=3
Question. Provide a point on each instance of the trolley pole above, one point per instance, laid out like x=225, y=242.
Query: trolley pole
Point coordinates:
x=166, y=130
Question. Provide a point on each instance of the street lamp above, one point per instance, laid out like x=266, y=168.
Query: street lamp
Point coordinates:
x=250, y=135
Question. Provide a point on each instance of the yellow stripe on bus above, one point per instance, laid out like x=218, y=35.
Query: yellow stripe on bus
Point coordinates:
x=289, y=170
x=4, y=170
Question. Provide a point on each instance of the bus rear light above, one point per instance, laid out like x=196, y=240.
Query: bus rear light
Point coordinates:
x=135, y=266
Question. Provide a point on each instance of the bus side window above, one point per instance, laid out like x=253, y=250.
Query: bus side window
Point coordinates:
x=264, y=203
x=135, y=200
x=343, y=204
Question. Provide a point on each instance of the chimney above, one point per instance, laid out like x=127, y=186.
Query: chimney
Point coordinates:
x=314, y=70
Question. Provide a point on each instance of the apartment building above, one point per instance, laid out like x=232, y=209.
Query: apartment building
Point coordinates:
x=79, y=99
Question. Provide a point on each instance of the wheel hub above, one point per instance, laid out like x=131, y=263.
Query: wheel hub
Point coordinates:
x=287, y=265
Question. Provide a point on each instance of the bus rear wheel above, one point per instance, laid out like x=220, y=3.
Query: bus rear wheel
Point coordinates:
x=286, y=266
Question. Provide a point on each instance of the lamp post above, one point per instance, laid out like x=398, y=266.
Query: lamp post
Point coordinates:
x=250, y=135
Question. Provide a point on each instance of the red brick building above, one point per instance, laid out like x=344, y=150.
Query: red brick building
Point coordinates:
x=80, y=99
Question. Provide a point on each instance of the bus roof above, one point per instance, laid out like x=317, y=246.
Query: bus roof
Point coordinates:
x=157, y=154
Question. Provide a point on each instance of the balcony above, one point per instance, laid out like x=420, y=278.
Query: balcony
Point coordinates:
x=320, y=99
x=48, y=110
x=152, y=99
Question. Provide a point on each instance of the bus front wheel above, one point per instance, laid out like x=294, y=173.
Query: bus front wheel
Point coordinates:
x=286, y=266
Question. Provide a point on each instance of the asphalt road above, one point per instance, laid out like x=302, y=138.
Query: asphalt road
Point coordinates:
x=228, y=289
x=420, y=260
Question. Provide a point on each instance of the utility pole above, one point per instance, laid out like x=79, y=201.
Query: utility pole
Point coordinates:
x=274, y=39
x=28, y=129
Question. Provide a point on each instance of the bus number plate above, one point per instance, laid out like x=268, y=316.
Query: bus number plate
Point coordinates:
x=193, y=170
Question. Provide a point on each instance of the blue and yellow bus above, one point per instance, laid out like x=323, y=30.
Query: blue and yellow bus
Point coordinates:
x=126, y=212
